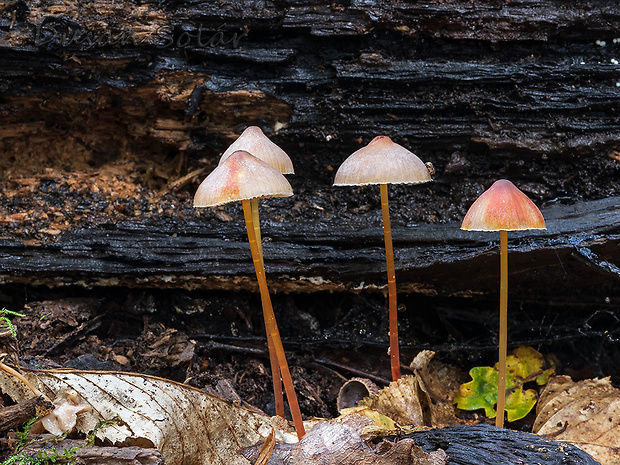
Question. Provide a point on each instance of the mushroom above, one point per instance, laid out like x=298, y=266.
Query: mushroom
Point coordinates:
x=503, y=207
x=244, y=177
x=255, y=142
x=384, y=162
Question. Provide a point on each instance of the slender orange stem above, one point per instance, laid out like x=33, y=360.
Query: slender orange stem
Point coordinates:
x=391, y=278
x=273, y=359
x=270, y=322
x=503, y=328
x=259, y=241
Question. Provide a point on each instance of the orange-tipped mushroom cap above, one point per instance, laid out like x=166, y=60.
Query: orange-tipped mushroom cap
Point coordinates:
x=503, y=207
x=382, y=162
x=253, y=140
x=241, y=176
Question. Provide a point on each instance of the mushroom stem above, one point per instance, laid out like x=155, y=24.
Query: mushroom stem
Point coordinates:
x=259, y=241
x=270, y=321
x=503, y=328
x=275, y=369
x=391, y=278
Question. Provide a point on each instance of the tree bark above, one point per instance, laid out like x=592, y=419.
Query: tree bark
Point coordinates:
x=111, y=113
x=15, y=416
x=575, y=258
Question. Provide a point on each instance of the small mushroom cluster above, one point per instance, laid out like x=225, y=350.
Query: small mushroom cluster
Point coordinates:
x=253, y=157
x=249, y=170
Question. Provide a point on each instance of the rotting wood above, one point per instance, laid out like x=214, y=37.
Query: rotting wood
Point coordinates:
x=523, y=89
x=16, y=415
x=574, y=257
x=98, y=455
x=120, y=101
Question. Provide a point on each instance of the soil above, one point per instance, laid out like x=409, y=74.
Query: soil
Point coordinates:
x=206, y=338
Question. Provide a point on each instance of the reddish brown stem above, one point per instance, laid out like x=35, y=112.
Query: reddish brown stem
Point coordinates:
x=391, y=279
x=270, y=322
x=273, y=359
x=503, y=328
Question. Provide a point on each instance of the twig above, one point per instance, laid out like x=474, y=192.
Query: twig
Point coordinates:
x=14, y=416
x=327, y=363
x=354, y=371
x=182, y=181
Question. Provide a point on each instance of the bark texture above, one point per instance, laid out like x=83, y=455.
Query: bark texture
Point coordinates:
x=111, y=113
x=14, y=416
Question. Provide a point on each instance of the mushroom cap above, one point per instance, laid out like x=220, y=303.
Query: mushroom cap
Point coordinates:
x=382, y=162
x=241, y=176
x=503, y=207
x=254, y=141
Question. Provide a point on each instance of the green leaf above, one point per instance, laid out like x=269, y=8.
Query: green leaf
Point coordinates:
x=523, y=366
x=519, y=403
x=479, y=393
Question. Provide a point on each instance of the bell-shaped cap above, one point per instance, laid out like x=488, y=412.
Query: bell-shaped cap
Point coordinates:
x=382, y=162
x=503, y=207
x=241, y=177
x=254, y=141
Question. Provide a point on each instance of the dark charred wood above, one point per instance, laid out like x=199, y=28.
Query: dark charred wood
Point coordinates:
x=524, y=90
x=576, y=256
x=488, y=445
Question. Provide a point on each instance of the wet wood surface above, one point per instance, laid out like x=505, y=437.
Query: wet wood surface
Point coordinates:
x=487, y=445
x=574, y=257
x=111, y=113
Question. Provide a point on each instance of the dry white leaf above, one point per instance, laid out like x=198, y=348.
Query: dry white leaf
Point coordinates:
x=187, y=425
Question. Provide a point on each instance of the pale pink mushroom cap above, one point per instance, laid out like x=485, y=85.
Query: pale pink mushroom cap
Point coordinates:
x=382, y=162
x=503, y=207
x=253, y=140
x=241, y=177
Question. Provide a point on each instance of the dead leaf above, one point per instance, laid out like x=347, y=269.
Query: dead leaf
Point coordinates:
x=400, y=401
x=424, y=399
x=187, y=425
x=584, y=413
x=439, y=382
x=339, y=442
x=265, y=452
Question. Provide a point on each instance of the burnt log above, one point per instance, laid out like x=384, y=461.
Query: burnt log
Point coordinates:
x=575, y=258
x=112, y=112
x=521, y=89
x=487, y=445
